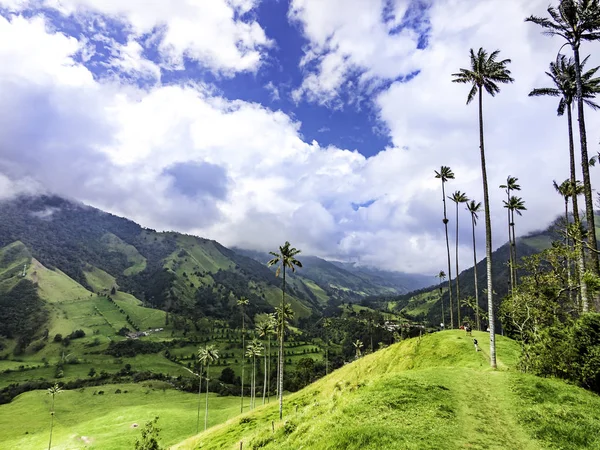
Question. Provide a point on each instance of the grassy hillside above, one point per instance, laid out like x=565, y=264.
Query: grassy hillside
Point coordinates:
x=429, y=393
x=110, y=421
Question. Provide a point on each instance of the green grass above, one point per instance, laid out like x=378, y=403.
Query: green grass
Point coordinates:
x=54, y=285
x=144, y=318
x=432, y=393
x=85, y=419
x=99, y=280
x=115, y=244
x=421, y=304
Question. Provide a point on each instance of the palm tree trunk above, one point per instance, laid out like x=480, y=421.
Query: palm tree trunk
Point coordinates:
x=252, y=385
x=243, y=360
x=269, y=369
x=206, y=408
x=579, y=253
x=568, y=247
x=514, y=249
x=199, y=398
x=51, y=423
x=585, y=166
x=475, y=274
x=510, y=258
x=281, y=332
x=448, y=252
x=457, y=272
x=488, y=237
x=265, y=382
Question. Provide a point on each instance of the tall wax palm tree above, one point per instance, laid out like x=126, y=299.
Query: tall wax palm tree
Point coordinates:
x=474, y=208
x=576, y=21
x=53, y=392
x=265, y=329
x=563, y=75
x=242, y=303
x=485, y=73
x=511, y=185
x=444, y=175
x=286, y=258
x=254, y=349
x=284, y=315
x=442, y=276
x=207, y=356
x=514, y=204
x=458, y=198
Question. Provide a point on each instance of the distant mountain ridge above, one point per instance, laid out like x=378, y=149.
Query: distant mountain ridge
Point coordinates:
x=349, y=280
x=86, y=250
x=424, y=304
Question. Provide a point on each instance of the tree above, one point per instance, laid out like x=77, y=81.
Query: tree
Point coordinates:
x=53, y=392
x=514, y=204
x=563, y=75
x=442, y=276
x=474, y=208
x=265, y=329
x=242, y=302
x=576, y=21
x=255, y=348
x=358, y=345
x=444, y=175
x=286, y=258
x=485, y=73
x=207, y=356
x=458, y=198
x=149, y=439
x=511, y=185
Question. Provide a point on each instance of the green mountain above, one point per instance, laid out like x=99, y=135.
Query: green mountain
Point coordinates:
x=68, y=258
x=423, y=393
x=185, y=275
x=424, y=304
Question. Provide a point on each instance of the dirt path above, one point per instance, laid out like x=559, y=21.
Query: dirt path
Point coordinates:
x=484, y=412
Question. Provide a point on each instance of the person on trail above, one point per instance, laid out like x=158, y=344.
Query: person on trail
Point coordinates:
x=475, y=343
x=468, y=330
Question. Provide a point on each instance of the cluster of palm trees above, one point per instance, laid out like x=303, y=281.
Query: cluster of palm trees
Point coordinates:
x=513, y=204
x=266, y=327
x=574, y=21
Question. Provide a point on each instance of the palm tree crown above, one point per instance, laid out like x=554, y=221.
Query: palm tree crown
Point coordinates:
x=286, y=258
x=515, y=204
x=562, y=73
x=474, y=208
x=208, y=355
x=573, y=20
x=485, y=72
x=511, y=184
x=459, y=197
x=444, y=174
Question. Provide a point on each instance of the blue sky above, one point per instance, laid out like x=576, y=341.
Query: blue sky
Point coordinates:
x=258, y=121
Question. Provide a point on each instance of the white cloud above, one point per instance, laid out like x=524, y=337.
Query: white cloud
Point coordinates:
x=115, y=145
x=217, y=33
x=273, y=91
x=348, y=37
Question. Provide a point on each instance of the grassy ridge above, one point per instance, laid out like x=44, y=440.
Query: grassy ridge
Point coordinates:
x=432, y=393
